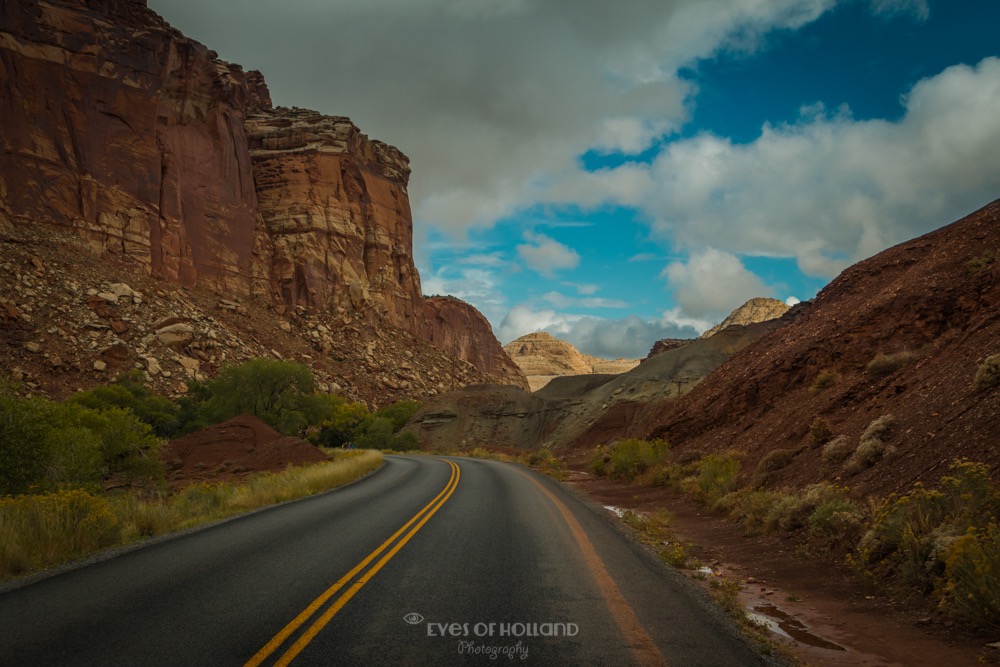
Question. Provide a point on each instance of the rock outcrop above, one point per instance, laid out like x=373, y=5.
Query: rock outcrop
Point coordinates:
x=542, y=357
x=454, y=325
x=117, y=126
x=157, y=153
x=755, y=310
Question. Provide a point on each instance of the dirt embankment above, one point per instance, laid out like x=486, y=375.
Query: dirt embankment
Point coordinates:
x=232, y=450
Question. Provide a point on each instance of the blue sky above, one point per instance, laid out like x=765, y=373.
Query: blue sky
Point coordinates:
x=616, y=173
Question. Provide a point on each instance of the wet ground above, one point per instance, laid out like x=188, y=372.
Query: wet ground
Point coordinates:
x=814, y=606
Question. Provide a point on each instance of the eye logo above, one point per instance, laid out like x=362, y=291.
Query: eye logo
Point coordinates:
x=413, y=618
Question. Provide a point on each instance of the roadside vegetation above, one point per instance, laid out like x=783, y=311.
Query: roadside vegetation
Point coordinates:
x=46, y=529
x=943, y=542
x=86, y=474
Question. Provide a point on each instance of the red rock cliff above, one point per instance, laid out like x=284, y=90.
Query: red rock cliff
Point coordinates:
x=118, y=126
x=148, y=146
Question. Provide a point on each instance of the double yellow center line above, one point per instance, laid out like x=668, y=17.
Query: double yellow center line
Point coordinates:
x=393, y=544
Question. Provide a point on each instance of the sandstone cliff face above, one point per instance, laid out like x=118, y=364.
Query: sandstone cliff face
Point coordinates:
x=117, y=126
x=337, y=213
x=751, y=312
x=543, y=357
x=154, y=151
x=452, y=324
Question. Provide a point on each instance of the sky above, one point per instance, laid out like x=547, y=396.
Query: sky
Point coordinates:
x=619, y=172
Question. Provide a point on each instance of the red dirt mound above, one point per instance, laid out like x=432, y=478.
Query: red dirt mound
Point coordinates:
x=233, y=449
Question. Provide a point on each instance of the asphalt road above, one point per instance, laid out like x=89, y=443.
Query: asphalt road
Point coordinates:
x=428, y=561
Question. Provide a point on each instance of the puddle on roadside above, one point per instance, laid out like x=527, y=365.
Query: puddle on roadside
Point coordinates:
x=785, y=624
x=617, y=510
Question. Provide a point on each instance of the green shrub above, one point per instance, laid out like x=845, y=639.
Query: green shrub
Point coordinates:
x=378, y=435
x=883, y=365
x=837, y=450
x=824, y=379
x=406, y=441
x=776, y=460
x=399, y=413
x=872, y=447
x=972, y=575
x=346, y=423
x=911, y=538
x=981, y=263
x=632, y=457
x=715, y=477
x=129, y=393
x=988, y=373
x=277, y=392
x=820, y=432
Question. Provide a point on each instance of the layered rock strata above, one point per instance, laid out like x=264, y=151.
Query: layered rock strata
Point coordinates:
x=153, y=150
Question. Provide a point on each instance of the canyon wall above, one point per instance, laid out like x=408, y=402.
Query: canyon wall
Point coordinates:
x=150, y=148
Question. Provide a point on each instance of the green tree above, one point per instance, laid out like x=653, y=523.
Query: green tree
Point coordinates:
x=129, y=392
x=46, y=445
x=24, y=450
x=399, y=413
x=377, y=436
x=277, y=392
x=347, y=422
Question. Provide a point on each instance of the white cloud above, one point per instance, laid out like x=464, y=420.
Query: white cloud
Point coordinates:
x=492, y=100
x=919, y=9
x=830, y=190
x=588, y=290
x=562, y=301
x=479, y=286
x=712, y=283
x=791, y=301
x=546, y=255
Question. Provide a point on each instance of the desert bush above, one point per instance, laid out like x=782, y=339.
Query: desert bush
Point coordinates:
x=981, y=263
x=547, y=462
x=768, y=511
x=972, y=576
x=988, y=373
x=37, y=531
x=629, y=458
x=756, y=509
x=776, y=460
x=716, y=474
x=912, y=538
x=600, y=461
x=820, y=432
x=883, y=365
x=837, y=450
x=872, y=447
x=825, y=378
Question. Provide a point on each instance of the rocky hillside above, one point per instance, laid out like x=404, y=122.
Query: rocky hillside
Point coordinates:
x=542, y=357
x=70, y=319
x=751, y=312
x=173, y=164
x=891, y=354
x=578, y=410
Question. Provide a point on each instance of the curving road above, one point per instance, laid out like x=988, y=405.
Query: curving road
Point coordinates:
x=429, y=561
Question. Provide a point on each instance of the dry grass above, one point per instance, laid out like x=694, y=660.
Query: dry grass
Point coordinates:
x=39, y=531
